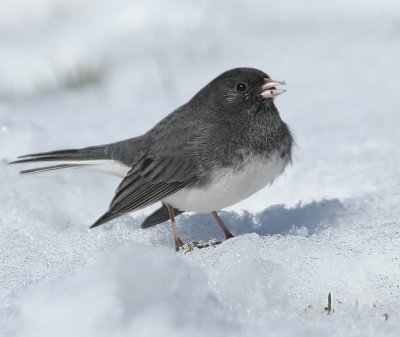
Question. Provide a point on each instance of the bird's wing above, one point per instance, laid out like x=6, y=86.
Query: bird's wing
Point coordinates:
x=151, y=180
x=169, y=162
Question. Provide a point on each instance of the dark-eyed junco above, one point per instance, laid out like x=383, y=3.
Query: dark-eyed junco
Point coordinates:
x=225, y=144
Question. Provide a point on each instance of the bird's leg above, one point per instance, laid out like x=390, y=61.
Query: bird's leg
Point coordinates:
x=178, y=241
x=225, y=229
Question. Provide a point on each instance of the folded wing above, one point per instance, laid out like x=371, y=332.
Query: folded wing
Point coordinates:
x=151, y=180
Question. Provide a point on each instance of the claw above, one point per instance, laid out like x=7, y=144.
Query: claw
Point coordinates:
x=189, y=247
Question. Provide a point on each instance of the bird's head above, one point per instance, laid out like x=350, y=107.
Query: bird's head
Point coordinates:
x=241, y=90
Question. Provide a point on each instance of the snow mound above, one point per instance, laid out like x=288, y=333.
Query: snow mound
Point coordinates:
x=124, y=294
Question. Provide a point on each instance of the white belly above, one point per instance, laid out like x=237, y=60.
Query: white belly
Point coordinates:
x=228, y=186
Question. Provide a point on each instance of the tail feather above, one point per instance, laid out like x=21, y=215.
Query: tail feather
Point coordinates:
x=159, y=216
x=99, y=158
x=88, y=153
x=47, y=169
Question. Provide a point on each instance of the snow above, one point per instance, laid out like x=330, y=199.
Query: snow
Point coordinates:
x=80, y=73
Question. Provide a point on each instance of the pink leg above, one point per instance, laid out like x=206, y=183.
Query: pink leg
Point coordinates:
x=178, y=241
x=225, y=229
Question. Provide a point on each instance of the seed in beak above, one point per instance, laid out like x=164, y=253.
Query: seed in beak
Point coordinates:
x=269, y=89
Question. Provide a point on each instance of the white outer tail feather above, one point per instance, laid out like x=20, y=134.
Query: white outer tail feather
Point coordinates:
x=107, y=166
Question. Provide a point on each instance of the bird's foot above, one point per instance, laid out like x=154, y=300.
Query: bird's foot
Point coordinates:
x=189, y=247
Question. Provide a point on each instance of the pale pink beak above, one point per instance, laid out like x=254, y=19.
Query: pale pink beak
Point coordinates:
x=269, y=90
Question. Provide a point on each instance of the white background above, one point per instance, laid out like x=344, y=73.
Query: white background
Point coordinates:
x=79, y=73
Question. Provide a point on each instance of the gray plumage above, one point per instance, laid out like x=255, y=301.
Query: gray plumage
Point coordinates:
x=220, y=127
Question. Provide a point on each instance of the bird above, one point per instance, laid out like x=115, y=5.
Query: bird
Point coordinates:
x=226, y=143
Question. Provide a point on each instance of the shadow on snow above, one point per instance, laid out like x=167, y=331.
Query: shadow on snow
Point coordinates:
x=278, y=219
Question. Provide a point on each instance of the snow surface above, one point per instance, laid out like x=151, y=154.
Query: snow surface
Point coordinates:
x=80, y=73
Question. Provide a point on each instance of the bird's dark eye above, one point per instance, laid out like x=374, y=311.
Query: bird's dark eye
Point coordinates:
x=241, y=86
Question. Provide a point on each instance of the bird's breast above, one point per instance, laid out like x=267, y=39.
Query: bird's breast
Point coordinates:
x=228, y=186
